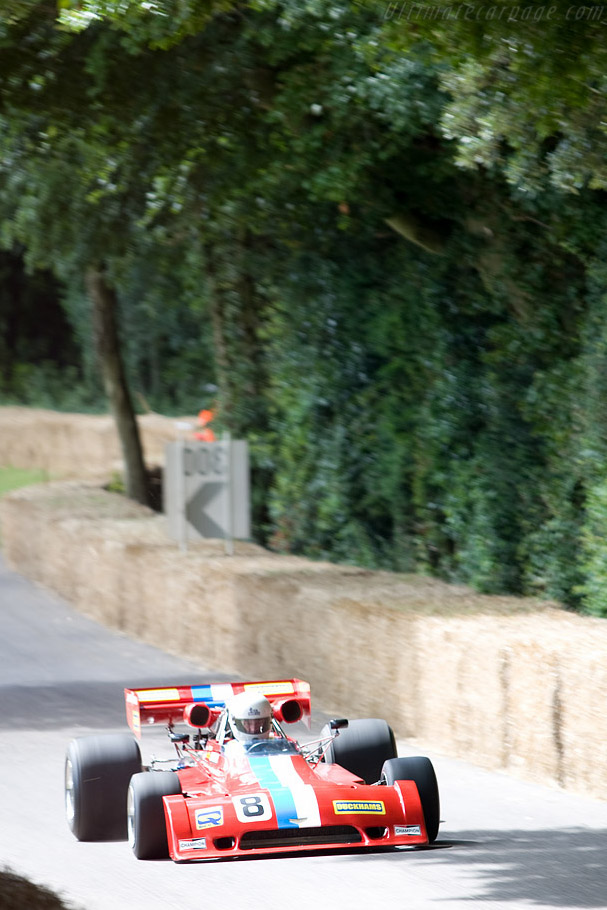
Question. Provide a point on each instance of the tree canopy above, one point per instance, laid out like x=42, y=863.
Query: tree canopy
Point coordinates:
x=373, y=231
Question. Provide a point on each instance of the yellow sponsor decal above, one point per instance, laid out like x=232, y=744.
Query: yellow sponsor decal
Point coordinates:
x=277, y=688
x=358, y=806
x=158, y=695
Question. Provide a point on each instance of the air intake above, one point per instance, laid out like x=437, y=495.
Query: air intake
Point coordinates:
x=300, y=837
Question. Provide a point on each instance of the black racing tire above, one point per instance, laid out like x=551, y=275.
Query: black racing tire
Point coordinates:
x=97, y=774
x=362, y=748
x=420, y=770
x=146, y=823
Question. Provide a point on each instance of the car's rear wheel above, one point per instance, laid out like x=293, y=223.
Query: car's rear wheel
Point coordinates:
x=362, y=748
x=146, y=822
x=420, y=770
x=97, y=774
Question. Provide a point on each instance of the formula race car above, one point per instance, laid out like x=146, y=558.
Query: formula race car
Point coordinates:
x=238, y=785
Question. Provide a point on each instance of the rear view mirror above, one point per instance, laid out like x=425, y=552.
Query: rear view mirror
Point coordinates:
x=338, y=723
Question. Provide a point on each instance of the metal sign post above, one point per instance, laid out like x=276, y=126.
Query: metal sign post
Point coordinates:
x=182, y=502
x=229, y=529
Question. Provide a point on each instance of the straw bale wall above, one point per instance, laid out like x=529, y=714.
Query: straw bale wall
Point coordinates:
x=507, y=683
x=78, y=445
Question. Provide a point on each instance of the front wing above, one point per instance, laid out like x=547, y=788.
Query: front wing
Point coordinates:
x=249, y=823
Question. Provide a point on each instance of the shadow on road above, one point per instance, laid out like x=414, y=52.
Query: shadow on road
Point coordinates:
x=99, y=705
x=563, y=868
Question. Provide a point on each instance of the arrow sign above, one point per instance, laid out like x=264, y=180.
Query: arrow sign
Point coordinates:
x=197, y=509
x=205, y=490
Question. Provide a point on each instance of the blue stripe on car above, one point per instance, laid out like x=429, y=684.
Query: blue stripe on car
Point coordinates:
x=284, y=804
x=205, y=694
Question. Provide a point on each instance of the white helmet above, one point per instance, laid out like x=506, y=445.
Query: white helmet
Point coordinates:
x=250, y=716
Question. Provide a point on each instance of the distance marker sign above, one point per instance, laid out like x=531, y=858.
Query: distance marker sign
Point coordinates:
x=206, y=490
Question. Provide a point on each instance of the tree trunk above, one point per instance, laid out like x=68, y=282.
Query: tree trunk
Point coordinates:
x=107, y=347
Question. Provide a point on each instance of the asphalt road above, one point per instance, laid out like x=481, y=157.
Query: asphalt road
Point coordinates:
x=503, y=842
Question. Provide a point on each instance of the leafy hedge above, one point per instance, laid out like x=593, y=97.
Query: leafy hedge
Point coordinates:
x=379, y=248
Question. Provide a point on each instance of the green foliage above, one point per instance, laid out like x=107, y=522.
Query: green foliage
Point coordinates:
x=116, y=484
x=157, y=23
x=375, y=237
x=47, y=385
x=594, y=552
x=526, y=85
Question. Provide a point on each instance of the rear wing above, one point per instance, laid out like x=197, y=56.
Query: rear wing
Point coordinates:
x=290, y=700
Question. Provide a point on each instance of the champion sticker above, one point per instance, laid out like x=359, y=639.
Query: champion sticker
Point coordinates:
x=358, y=806
x=407, y=831
x=198, y=843
x=209, y=818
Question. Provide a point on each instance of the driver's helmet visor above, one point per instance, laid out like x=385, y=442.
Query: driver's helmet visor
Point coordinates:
x=253, y=726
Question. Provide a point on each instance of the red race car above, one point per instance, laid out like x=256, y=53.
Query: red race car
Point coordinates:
x=238, y=785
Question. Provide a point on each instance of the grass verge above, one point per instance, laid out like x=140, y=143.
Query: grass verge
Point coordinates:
x=13, y=478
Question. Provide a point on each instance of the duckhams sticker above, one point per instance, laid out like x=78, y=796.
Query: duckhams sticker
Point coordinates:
x=358, y=807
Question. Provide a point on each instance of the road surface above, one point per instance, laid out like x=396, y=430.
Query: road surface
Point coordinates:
x=503, y=842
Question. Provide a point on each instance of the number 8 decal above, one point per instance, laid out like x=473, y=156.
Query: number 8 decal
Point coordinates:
x=255, y=807
x=251, y=806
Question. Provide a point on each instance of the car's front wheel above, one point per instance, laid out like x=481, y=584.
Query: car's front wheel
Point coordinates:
x=97, y=774
x=146, y=822
x=362, y=748
x=420, y=770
